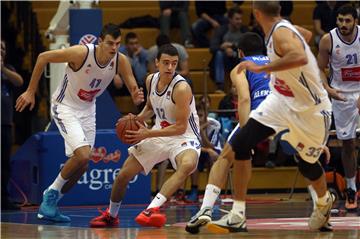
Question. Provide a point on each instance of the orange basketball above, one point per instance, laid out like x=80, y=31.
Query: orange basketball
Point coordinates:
x=127, y=122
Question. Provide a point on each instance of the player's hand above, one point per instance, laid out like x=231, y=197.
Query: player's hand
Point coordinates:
x=135, y=136
x=25, y=99
x=250, y=66
x=138, y=96
x=335, y=94
x=326, y=151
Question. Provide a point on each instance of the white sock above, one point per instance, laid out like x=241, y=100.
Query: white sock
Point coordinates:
x=114, y=208
x=58, y=183
x=313, y=194
x=351, y=183
x=211, y=194
x=158, y=200
x=322, y=201
x=239, y=207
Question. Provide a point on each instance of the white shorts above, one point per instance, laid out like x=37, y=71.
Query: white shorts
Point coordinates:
x=152, y=151
x=346, y=116
x=306, y=132
x=75, y=126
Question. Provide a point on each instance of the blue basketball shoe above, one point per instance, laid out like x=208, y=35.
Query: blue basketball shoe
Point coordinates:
x=48, y=209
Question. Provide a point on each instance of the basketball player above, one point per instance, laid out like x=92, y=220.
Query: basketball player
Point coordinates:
x=175, y=136
x=341, y=48
x=90, y=70
x=252, y=88
x=298, y=108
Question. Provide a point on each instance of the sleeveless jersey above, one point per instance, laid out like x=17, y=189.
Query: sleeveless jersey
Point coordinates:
x=345, y=62
x=299, y=88
x=164, y=107
x=258, y=82
x=80, y=88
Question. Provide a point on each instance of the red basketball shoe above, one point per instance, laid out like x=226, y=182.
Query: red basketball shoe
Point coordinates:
x=151, y=218
x=104, y=220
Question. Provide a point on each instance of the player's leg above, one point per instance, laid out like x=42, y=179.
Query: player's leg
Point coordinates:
x=347, y=118
x=242, y=143
x=128, y=171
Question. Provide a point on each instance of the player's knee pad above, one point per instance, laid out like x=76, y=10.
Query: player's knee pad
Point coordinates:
x=311, y=171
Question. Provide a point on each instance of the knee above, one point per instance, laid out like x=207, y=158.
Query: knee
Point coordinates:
x=187, y=168
x=311, y=171
x=124, y=175
x=83, y=157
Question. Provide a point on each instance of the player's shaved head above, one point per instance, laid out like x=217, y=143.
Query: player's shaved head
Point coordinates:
x=269, y=8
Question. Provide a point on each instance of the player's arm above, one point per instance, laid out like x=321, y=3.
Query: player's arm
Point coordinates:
x=182, y=97
x=242, y=87
x=304, y=32
x=74, y=55
x=124, y=68
x=147, y=112
x=290, y=48
x=323, y=59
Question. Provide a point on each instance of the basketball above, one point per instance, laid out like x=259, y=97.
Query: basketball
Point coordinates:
x=127, y=122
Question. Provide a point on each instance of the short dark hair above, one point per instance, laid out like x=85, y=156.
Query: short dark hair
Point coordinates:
x=130, y=35
x=251, y=44
x=231, y=12
x=269, y=8
x=347, y=9
x=167, y=49
x=110, y=29
x=162, y=39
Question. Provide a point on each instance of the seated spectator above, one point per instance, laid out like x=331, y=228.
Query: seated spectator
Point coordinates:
x=137, y=56
x=175, y=13
x=211, y=16
x=324, y=18
x=211, y=147
x=228, y=120
x=183, y=66
x=223, y=46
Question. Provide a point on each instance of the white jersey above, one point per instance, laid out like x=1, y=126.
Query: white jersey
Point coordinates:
x=345, y=62
x=80, y=88
x=164, y=107
x=301, y=87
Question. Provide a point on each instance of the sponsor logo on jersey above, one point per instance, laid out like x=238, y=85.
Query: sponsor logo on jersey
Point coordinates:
x=183, y=144
x=87, y=39
x=168, y=94
x=300, y=147
x=283, y=88
x=164, y=124
x=350, y=74
x=87, y=95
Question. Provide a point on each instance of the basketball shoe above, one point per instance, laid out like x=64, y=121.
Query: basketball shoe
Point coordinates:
x=351, y=199
x=104, y=220
x=48, y=208
x=320, y=216
x=151, y=218
x=230, y=222
x=200, y=219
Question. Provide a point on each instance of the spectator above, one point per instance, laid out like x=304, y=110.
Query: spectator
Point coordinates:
x=211, y=16
x=223, y=46
x=9, y=80
x=183, y=67
x=173, y=12
x=137, y=56
x=324, y=18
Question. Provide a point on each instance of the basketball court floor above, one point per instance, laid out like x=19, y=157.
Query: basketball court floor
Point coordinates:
x=267, y=218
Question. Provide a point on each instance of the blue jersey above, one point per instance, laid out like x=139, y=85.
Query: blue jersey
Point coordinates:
x=258, y=82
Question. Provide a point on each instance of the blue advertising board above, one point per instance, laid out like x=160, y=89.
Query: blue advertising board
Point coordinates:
x=37, y=163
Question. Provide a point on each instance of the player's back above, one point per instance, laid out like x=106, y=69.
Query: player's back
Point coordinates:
x=345, y=62
x=258, y=82
x=164, y=106
x=79, y=88
x=300, y=88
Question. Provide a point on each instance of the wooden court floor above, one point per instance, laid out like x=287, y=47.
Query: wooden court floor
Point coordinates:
x=273, y=218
